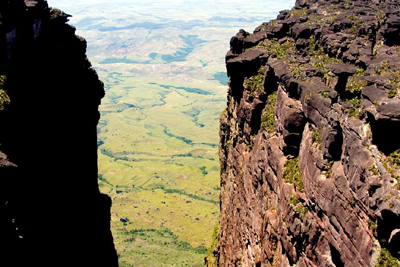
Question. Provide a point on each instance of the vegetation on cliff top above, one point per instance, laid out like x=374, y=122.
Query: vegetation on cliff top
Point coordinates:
x=254, y=84
x=281, y=49
x=334, y=57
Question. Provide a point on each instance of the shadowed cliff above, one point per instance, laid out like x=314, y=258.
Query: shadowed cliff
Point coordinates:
x=309, y=150
x=51, y=210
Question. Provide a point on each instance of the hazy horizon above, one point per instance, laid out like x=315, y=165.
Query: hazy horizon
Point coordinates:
x=163, y=66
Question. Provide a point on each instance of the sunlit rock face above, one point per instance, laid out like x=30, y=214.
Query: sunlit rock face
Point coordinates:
x=51, y=211
x=309, y=141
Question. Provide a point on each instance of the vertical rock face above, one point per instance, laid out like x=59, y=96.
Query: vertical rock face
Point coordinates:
x=309, y=143
x=51, y=210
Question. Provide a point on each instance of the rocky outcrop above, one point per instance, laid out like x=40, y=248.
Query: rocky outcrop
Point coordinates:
x=309, y=143
x=51, y=210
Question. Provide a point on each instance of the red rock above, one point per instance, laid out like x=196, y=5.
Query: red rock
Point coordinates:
x=348, y=201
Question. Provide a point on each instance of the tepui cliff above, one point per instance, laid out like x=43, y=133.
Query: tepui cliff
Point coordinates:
x=309, y=141
x=51, y=210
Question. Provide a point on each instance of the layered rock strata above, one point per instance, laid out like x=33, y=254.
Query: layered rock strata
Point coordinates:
x=51, y=210
x=309, y=142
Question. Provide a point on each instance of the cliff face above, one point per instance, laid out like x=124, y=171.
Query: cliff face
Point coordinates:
x=51, y=210
x=309, y=144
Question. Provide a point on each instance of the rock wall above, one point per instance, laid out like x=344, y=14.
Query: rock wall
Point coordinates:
x=309, y=142
x=51, y=210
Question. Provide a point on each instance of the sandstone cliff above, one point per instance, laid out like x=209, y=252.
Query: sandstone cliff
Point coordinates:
x=51, y=210
x=310, y=141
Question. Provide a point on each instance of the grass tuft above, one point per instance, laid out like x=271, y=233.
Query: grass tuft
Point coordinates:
x=292, y=174
x=255, y=83
x=280, y=50
x=268, y=118
x=387, y=260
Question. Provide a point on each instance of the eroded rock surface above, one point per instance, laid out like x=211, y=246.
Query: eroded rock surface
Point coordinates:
x=310, y=144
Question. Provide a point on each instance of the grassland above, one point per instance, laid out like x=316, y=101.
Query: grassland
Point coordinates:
x=163, y=67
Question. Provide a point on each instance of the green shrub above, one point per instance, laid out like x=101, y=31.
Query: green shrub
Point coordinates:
x=4, y=98
x=321, y=66
x=292, y=174
x=203, y=170
x=294, y=200
x=392, y=93
x=273, y=47
x=354, y=84
x=316, y=138
x=355, y=109
x=214, y=244
x=325, y=94
x=330, y=167
x=387, y=260
x=319, y=59
x=300, y=209
x=394, y=158
x=373, y=226
x=391, y=170
x=395, y=79
x=268, y=118
x=382, y=69
x=299, y=12
x=228, y=144
x=273, y=22
x=223, y=112
x=374, y=169
x=55, y=13
x=255, y=83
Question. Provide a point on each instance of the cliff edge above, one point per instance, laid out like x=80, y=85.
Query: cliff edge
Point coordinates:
x=309, y=145
x=51, y=210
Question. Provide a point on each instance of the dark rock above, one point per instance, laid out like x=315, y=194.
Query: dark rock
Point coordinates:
x=301, y=3
x=247, y=63
x=391, y=30
x=237, y=41
x=283, y=15
x=290, y=123
x=253, y=40
x=333, y=95
x=301, y=31
x=301, y=44
x=343, y=69
x=277, y=31
x=373, y=94
x=390, y=111
x=51, y=209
